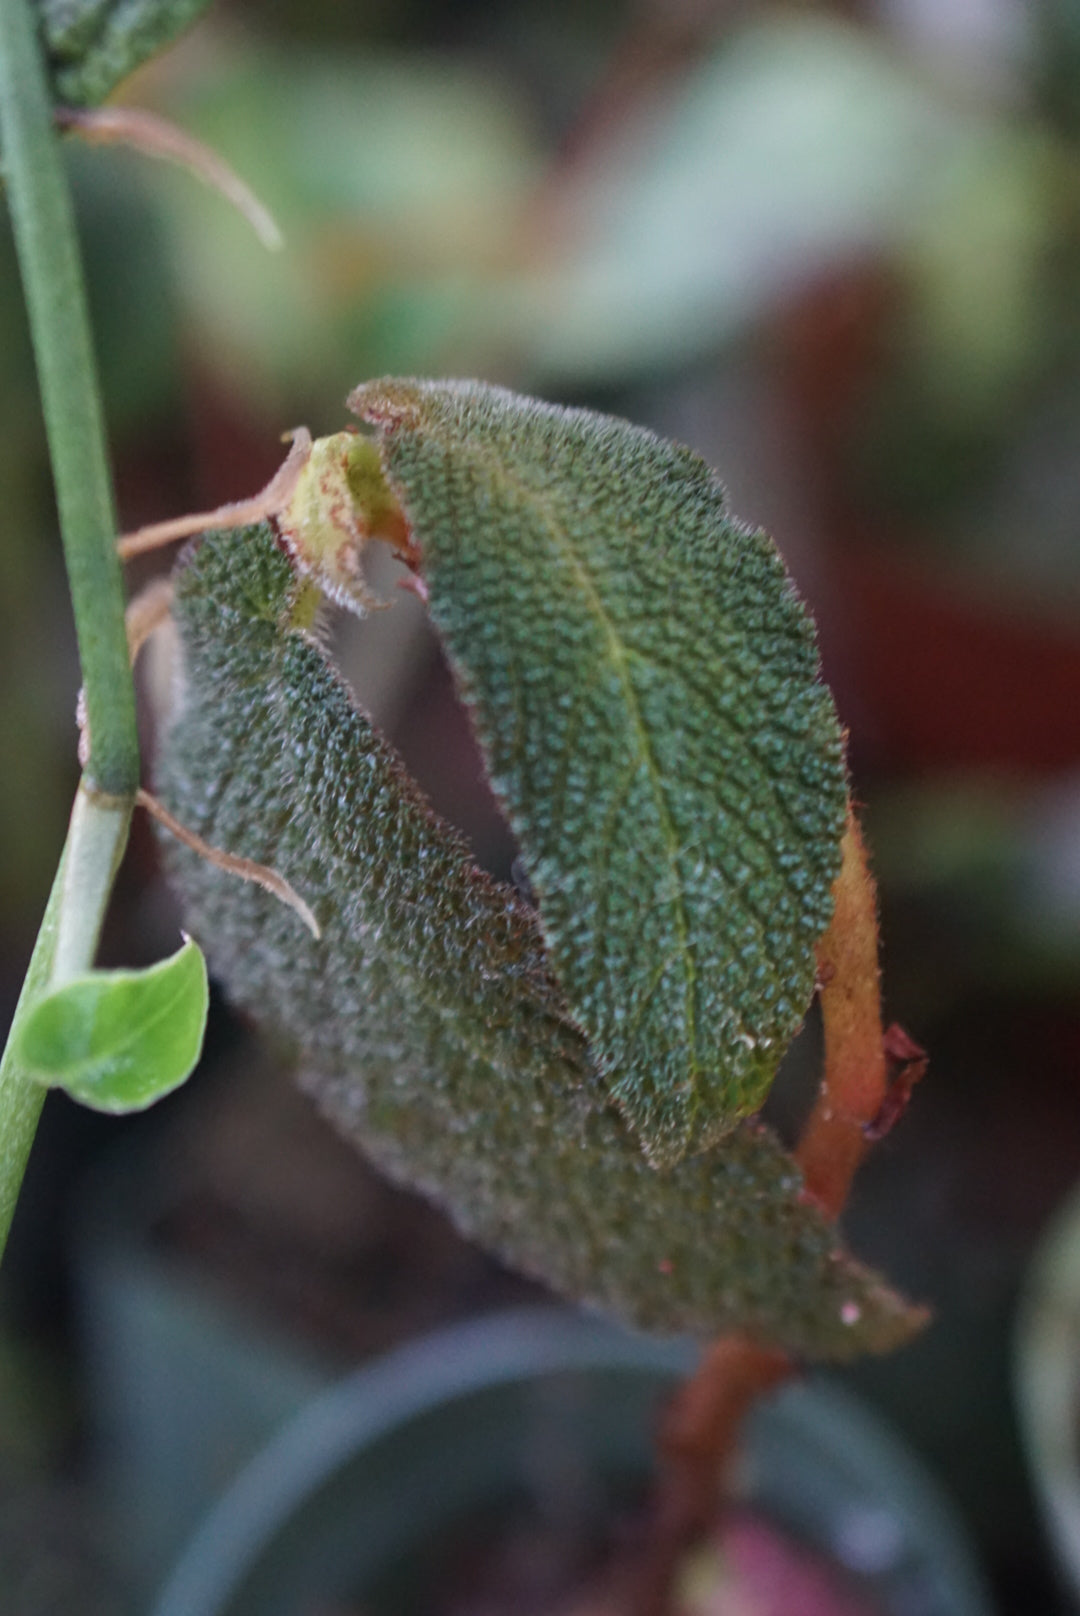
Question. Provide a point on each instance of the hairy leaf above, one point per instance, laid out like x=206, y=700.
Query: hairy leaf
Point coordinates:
x=428, y=1017
x=119, y=1040
x=94, y=44
x=645, y=686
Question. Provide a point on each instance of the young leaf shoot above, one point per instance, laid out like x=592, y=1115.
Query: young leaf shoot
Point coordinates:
x=120, y=1040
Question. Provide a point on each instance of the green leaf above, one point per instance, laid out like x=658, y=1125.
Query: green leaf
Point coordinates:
x=802, y=142
x=94, y=44
x=119, y=1040
x=434, y=1031
x=644, y=683
x=400, y=176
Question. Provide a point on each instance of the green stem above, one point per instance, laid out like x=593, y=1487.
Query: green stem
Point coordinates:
x=48, y=252
x=65, y=947
x=96, y=840
x=21, y=1098
x=47, y=246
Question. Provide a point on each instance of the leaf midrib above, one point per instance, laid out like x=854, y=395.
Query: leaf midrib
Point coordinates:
x=620, y=660
x=624, y=657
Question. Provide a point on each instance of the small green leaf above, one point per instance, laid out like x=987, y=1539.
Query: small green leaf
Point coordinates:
x=119, y=1040
x=427, y=1017
x=644, y=684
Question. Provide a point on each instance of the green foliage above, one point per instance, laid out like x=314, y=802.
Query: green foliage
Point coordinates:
x=802, y=140
x=428, y=1016
x=396, y=181
x=644, y=683
x=119, y=1040
x=93, y=44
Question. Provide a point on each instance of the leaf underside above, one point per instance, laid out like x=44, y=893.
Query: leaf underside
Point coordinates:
x=644, y=684
x=427, y=1018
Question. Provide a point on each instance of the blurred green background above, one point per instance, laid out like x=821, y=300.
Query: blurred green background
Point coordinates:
x=836, y=249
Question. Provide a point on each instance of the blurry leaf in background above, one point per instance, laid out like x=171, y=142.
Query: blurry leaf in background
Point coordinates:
x=987, y=497
x=418, y=237
x=396, y=182
x=977, y=334
x=799, y=144
x=131, y=290
x=119, y=1040
x=988, y=872
x=976, y=262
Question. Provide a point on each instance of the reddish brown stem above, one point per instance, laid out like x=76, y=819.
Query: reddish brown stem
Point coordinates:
x=699, y=1430
x=855, y=1082
x=852, y=1108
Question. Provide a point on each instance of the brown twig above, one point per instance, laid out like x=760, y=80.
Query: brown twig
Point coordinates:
x=867, y=1078
x=156, y=137
x=260, y=875
x=699, y=1430
x=855, y=1081
x=239, y=513
x=146, y=612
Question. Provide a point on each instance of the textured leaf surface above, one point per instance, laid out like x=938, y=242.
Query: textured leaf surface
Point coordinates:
x=645, y=685
x=428, y=1017
x=119, y=1040
x=94, y=44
